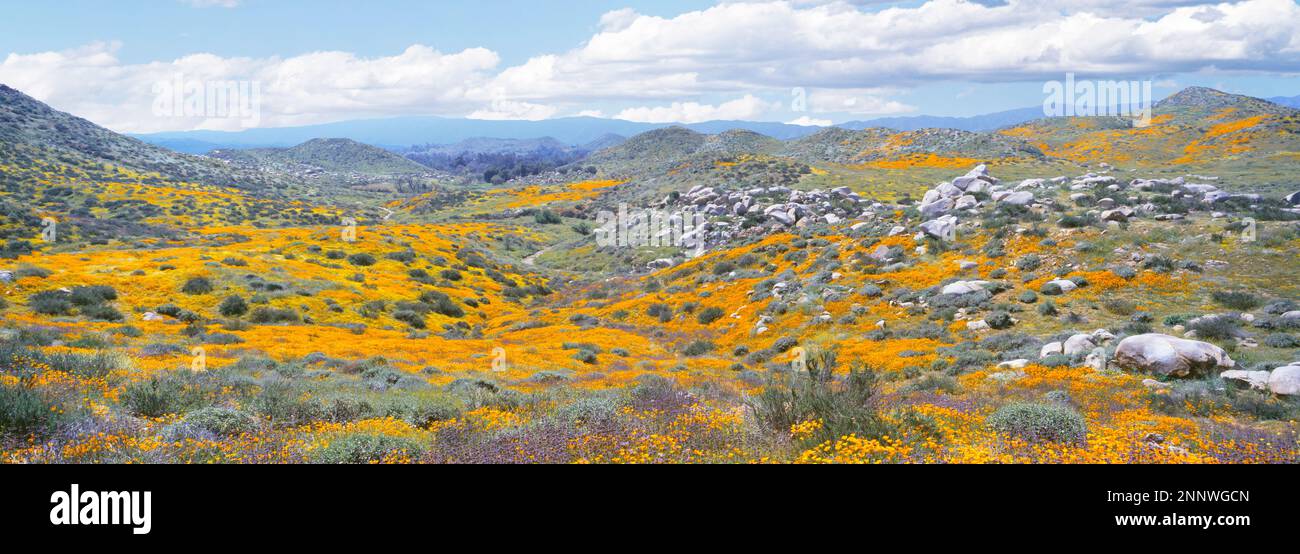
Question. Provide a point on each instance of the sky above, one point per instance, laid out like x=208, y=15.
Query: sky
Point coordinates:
x=815, y=62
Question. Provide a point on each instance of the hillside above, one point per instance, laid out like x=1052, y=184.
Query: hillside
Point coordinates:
x=1198, y=130
x=31, y=130
x=332, y=155
x=873, y=296
x=100, y=187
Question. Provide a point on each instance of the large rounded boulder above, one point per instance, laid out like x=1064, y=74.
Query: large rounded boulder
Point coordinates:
x=1170, y=356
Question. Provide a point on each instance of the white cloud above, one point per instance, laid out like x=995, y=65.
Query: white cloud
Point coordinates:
x=855, y=102
x=312, y=88
x=811, y=122
x=746, y=107
x=213, y=3
x=512, y=109
x=853, y=56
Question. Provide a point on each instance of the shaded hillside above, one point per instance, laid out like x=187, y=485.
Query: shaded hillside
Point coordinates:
x=32, y=132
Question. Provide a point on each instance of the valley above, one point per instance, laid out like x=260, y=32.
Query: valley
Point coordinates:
x=1062, y=290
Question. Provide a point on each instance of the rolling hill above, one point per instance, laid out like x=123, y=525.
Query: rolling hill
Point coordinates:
x=333, y=155
x=1196, y=130
x=32, y=131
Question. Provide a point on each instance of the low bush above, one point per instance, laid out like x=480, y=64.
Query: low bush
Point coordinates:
x=709, y=315
x=361, y=259
x=197, y=285
x=845, y=407
x=24, y=412
x=363, y=449
x=233, y=306
x=1033, y=422
x=221, y=421
x=1281, y=340
x=264, y=315
x=159, y=396
x=1236, y=300
x=698, y=348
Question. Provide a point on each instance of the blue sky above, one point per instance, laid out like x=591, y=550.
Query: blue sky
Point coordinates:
x=661, y=60
x=165, y=29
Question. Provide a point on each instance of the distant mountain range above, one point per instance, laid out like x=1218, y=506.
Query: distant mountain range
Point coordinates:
x=337, y=155
x=986, y=122
x=450, y=135
x=400, y=133
x=581, y=132
x=1288, y=101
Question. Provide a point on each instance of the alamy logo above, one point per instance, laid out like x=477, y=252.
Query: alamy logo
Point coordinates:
x=181, y=97
x=1084, y=98
x=102, y=508
x=651, y=228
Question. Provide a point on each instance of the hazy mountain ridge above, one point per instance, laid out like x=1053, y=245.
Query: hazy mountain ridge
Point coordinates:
x=332, y=154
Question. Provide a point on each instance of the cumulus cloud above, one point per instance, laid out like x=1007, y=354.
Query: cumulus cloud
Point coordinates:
x=855, y=102
x=811, y=122
x=213, y=3
x=852, y=57
x=512, y=109
x=312, y=88
x=745, y=107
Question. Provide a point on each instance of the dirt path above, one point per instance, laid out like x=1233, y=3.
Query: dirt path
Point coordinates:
x=532, y=258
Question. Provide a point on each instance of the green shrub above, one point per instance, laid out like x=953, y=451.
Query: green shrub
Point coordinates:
x=222, y=421
x=1035, y=422
x=1214, y=327
x=197, y=285
x=1028, y=297
x=999, y=320
x=403, y=256
x=361, y=259
x=284, y=404
x=1237, y=300
x=32, y=271
x=448, y=307
x=1029, y=262
x=845, y=407
x=410, y=317
x=233, y=306
x=935, y=382
x=363, y=449
x=23, y=412
x=709, y=315
x=92, y=296
x=265, y=314
x=422, y=412
x=1159, y=263
x=661, y=311
x=101, y=312
x=1281, y=340
x=158, y=396
x=50, y=302
x=1119, y=306
x=698, y=348
x=585, y=356
x=547, y=217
